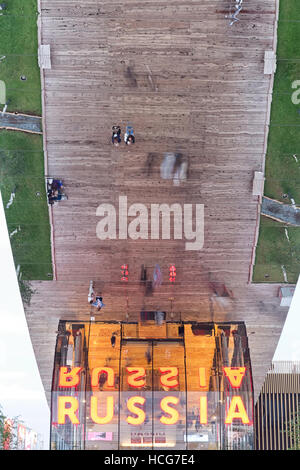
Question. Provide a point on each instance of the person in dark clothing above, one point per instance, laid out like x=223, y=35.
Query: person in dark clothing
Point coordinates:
x=56, y=185
x=55, y=191
x=130, y=140
x=113, y=340
x=197, y=424
x=116, y=135
x=148, y=355
x=58, y=197
x=97, y=303
x=102, y=380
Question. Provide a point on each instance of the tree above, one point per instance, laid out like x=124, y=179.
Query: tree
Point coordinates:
x=26, y=291
x=8, y=435
x=293, y=432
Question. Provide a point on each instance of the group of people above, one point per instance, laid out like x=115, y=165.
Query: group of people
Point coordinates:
x=129, y=137
x=55, y=191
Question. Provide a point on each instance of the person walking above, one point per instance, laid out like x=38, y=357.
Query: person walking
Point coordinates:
x=113, y=340
x=99, y=304
x=102, y=380
x=148, y=355
x=91, y=294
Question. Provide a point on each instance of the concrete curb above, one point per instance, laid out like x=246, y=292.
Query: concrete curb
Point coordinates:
x=44, y=127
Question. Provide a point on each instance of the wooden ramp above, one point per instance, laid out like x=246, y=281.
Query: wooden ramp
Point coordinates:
x=188, y=83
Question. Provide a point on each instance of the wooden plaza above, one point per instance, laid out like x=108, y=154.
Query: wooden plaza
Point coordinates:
x=189, y=83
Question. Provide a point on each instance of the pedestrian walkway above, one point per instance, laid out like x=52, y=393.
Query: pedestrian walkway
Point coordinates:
x=21, y=122
x=286, y=213
x=192, y=86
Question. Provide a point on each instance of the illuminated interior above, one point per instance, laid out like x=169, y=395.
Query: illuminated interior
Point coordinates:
x=179, y=385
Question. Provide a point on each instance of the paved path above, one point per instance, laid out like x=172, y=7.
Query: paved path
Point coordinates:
x=281, y=212
x=21, y=122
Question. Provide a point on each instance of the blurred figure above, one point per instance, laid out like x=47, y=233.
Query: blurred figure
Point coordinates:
x=59, y=197
x=149, y=163
x=233, y=16
x=148, y=355
x=98, y=303
x=55, y=190
x=173, y=167
x=180, y=174
x=102, y=380
x=167, y=166
x=91, y=293
x=113, y=340
x=157, y=277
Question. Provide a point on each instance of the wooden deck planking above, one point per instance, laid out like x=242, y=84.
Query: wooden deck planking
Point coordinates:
x=210, y=104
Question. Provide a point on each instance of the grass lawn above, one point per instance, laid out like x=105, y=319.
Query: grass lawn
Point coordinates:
x=278, y=250
x=283, y=155
x=19, y=45
x=22, y=172
x=21, y=154
x=282, y=169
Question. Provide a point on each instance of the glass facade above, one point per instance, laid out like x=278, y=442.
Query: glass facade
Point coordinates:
x=131, y=386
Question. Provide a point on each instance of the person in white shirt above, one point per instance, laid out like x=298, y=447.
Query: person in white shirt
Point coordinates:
x=129, y=135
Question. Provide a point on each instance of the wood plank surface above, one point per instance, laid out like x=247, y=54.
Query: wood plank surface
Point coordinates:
x=188, y=83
